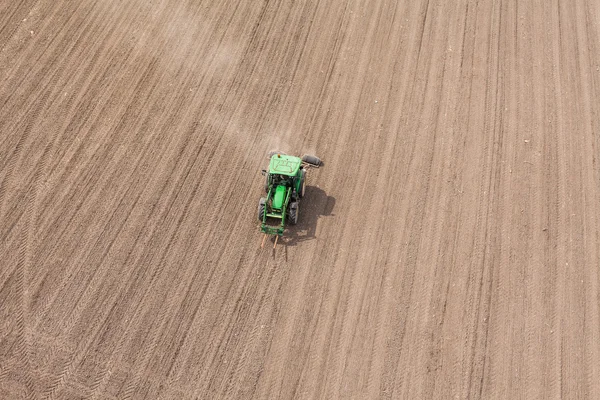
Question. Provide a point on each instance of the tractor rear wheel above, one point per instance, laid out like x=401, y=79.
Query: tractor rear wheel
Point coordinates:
x=302, y=184
x=261, y=208
x=293, y=213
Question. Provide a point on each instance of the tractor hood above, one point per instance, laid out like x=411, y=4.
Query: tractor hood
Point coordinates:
x=284, y=165
x=279, y=197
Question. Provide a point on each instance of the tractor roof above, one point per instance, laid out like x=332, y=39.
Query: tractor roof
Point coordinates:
x=284, y=165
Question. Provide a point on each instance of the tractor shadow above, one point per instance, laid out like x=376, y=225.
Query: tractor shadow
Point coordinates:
x=314, y=205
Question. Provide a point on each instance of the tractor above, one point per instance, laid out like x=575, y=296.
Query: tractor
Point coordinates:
x=284, y=185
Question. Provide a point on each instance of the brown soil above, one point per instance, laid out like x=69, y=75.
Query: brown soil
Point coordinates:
x=450, y=247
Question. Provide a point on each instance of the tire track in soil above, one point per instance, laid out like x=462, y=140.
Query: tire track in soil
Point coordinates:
x=493, y=296
x=592, y=238
x=22, y=278
x=490, y=186
x=557, y=380
x=27, y=245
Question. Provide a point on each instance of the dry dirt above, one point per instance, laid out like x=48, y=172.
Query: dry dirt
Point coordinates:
x=450, y=247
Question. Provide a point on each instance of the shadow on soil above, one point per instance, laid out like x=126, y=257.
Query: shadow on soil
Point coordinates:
x=314, y=205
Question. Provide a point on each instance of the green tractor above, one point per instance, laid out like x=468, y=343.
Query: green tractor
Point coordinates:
x=284, y=185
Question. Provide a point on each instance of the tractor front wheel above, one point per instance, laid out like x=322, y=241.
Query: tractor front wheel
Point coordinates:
x=293, y=213
x=261, y=208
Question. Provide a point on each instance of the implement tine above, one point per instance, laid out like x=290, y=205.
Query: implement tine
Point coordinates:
x=263, y=241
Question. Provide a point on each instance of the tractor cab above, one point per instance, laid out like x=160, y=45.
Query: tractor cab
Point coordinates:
x=283, y=166
x=285, y=171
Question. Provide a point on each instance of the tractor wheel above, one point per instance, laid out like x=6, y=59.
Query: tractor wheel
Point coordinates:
x=313, y=160
x=302, y=184
x=293, y=213
x=261, y=208
x=267, y=184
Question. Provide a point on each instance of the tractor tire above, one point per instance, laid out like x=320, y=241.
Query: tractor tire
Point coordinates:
x=313, y=160
x=293, y=213
x=267, y=184
x=261, y=208
x=302, y=185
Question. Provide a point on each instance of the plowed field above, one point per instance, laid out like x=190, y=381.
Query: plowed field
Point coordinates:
x=449, y=248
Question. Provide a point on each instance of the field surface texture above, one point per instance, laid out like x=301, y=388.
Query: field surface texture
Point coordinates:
x=449, y=248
